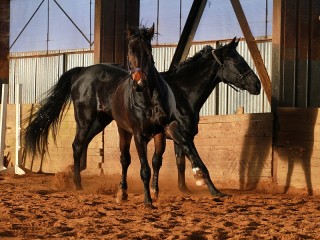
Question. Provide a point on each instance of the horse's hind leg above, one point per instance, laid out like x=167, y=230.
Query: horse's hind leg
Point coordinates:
x=97, y=126
x=159, y=148
x=77, y=146
x=201, y=172
x=85, y=133
x=181, y=165
x=125, y=160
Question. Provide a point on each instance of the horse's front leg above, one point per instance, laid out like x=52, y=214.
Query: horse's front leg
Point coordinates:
x=181, y=165
x=145, y=171
x=125, y=160
x=201, y=172
x=159, y=148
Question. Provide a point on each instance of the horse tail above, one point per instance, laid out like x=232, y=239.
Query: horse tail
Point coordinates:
x=48, y=115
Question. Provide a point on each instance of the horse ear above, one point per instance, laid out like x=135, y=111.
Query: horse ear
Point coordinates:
x=130, y=31
x=150, y=33
x=234, y=43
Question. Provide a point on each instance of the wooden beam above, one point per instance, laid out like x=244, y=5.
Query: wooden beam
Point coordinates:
x=4, y=42
x=112, y=17
x=255, y=53
x=277, y=45
x=188, y=32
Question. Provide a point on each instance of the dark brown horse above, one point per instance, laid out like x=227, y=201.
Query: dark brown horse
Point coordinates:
x=91, y=89
x=143, y=105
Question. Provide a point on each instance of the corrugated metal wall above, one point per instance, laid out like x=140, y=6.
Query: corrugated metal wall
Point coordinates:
x=38, y=71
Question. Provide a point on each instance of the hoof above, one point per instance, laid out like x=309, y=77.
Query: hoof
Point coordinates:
x=79, y=188
x=149, y=206
x=222, y=195
x=200, y=182
x=122, y=196
x=184, y=189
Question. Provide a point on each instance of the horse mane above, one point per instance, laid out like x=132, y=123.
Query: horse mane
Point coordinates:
x=139, y=32
x=204, y=52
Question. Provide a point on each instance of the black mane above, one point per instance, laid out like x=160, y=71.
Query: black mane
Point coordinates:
x=139, y=32
x=204, y=52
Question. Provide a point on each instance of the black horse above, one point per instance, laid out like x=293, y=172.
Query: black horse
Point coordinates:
x=192, y=82
x=91, y=89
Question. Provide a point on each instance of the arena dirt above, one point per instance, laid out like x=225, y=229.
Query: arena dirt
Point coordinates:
x=39, y=206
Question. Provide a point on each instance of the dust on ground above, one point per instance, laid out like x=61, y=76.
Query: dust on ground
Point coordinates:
x=39, y=206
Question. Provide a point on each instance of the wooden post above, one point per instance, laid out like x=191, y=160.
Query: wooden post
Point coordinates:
x=295, y=53
x=255, y=53
x=17, y=167
x=112, y=17
x=3, y=122
x=4, y=42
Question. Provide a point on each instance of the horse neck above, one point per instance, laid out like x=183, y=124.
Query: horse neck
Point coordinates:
x=155, y=80
x=197, y=81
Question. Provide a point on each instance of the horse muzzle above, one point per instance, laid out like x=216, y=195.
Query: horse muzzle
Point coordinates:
x=139, y=77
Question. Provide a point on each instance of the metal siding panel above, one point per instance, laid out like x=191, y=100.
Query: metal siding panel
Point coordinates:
x=46, y=76
x=25, y=74
x=156, y=58
x=26, y=71
x=12, y=73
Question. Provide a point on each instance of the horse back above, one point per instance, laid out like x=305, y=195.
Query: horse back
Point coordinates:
x=95, y=85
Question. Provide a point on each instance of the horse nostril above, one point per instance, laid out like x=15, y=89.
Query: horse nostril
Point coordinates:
x=136, y=76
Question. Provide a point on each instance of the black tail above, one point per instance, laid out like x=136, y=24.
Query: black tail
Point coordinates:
x=49, y=114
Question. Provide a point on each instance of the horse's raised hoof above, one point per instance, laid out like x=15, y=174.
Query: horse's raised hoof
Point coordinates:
x=200, y=182
x=198, y=177
x=122, y=196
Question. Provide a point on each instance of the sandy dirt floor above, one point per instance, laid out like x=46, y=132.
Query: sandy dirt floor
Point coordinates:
x=47, y=207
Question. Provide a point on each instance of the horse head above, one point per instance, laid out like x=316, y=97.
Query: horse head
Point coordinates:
x=140, y=54
x=234, y=70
